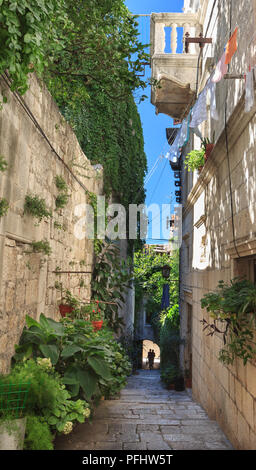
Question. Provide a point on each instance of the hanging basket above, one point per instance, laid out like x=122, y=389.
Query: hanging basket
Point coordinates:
x=65, y=309
x=97, y=324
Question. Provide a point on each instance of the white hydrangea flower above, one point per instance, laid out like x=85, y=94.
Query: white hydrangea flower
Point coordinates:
x=68, y=427
x=44, y=362
x=86, y=413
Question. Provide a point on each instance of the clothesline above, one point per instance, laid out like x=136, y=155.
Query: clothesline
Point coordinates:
x=199, y=113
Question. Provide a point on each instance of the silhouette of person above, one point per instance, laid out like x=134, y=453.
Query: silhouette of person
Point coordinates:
x=151, y=356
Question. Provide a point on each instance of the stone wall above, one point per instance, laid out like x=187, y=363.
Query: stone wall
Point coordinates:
x=228, y=393
x=38, y=144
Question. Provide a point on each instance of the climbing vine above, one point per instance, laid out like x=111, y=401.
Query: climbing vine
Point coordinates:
x=30, y=36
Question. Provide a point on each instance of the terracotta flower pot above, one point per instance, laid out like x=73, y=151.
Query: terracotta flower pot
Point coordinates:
x=97, y=324
x=208, y=150
x=170, y=386
x=65, y=309
x=188, y=383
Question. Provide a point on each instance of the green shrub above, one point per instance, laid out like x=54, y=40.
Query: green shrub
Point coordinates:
x=232, y=309
x=3, y=164
x=61, y=183
x=61, y=201
x=119, y=365
x=86, y=361
x=48, y=398
x=169, y=374
x=38, y=435
x=4, y=206
x=194, y=160
x=36, y=206
x=42, y=246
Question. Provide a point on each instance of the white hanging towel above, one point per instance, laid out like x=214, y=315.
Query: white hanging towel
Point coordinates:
x=199, y=111
x=249, y=91
x=221, y=69
x=214, y=112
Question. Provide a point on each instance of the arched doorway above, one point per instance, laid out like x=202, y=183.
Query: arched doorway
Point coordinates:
x=146, y=346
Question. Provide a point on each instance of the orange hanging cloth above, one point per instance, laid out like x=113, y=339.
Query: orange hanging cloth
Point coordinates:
x=231, y=47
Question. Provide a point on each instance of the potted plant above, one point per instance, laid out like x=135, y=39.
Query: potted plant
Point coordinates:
x=168, y=376
x=208, y=146
x=195, y=160
x=232, y=309
x=179, y=382
x=96, y=316
x=69, y=304
x=188, y=379
x=12, y=420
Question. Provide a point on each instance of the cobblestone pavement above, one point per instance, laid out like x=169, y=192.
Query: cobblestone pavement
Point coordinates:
x=147, y=417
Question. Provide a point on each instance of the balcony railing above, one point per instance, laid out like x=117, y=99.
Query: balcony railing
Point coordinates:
x=175, y=69
x=160, y=21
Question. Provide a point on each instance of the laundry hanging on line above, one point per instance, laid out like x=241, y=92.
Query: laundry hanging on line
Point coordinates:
x=181, y=139
x=249, y=90
x=231, y=47
x=221, y=69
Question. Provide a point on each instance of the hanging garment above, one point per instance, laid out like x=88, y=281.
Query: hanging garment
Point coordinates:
x=231, y=47
x=199, y=111
x=249, y=91
x=221, y=69
x=165, y=297
x=180, y=140
x=213, y=106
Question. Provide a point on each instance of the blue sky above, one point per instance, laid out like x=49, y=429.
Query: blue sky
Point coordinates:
x=160, y=188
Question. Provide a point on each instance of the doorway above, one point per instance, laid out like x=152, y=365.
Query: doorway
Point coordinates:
x=147, y=345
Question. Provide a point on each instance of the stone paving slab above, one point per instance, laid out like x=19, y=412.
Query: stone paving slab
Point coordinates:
x=147, y=417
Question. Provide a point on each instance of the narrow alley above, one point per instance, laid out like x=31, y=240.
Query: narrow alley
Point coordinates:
x=147, y=417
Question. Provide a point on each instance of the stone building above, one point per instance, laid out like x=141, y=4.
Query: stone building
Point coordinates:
x=38, y=145
x=218, y=238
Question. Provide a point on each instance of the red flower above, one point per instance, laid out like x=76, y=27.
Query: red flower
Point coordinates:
x=93, y=311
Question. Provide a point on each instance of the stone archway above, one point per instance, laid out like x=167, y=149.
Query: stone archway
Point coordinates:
x=148, y=344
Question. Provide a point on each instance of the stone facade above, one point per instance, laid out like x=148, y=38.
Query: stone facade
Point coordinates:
x=38, y=144
x=208, y=254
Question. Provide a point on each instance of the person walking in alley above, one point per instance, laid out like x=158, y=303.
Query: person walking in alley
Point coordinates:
x=151, y=357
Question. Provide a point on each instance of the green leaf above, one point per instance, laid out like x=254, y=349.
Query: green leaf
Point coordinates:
x=70, y=350
x=31, y=322
x=88, y=382
x=51, y=351
x=99, y=366
x=44, y=322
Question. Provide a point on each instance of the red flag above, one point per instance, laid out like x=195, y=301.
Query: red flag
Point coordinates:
x=231, y=47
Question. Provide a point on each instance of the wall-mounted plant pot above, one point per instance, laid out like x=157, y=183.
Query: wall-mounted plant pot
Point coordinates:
x=97, y=324
x=208, y=150
x=65, y=309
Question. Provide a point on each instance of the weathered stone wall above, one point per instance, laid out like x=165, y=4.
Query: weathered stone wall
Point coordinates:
x=228, y=393
x=27, y=280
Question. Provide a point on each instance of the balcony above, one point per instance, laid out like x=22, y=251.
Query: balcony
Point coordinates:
x=176, y=71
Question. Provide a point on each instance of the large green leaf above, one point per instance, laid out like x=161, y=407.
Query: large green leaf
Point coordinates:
x=44, y=322
x=51, y=351
x=70, y=350
x=58, y=327
x=88, y=382
x=99, y=366
x=70, y=377
x=31, y=322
